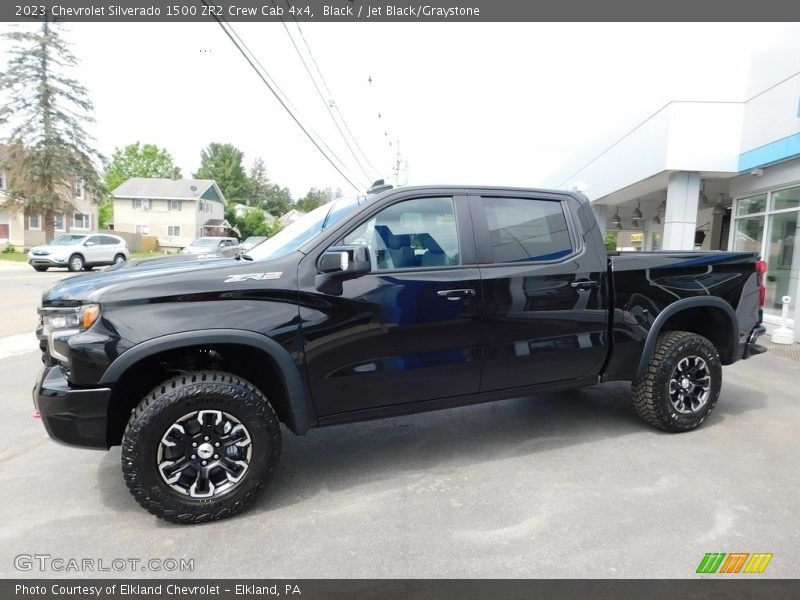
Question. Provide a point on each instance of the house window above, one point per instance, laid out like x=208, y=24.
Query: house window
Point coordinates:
x=174, y=205
x=79, y=188
x=58, y=222
x=144, y=204
x=34, y=222
x=143, y=229
x=80, y=221
x=174, y=231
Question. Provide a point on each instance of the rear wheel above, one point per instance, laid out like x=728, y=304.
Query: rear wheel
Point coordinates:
x=76, y=263
x=200, y=447
x=682, y=382
x=40, y=268
x=119, y=258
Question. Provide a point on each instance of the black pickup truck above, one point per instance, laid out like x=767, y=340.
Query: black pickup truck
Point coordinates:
x=401, y=301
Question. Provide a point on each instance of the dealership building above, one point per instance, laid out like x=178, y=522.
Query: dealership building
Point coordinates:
x=710, y=175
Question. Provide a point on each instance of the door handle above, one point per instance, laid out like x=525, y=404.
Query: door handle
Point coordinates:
x=456, y=294
x=583, y=284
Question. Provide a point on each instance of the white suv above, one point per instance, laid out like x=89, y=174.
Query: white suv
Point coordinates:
x=77, y=252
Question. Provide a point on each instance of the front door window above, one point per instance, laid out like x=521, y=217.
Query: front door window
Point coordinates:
x=411, y=234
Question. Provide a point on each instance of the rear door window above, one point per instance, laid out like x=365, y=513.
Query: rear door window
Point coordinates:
x=527, y=229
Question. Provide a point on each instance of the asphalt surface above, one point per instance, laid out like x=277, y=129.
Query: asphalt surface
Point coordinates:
x=557, y=485
x=20, y=293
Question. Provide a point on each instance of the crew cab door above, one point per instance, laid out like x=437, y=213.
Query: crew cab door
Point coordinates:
x=544, y=291
x=410, y=329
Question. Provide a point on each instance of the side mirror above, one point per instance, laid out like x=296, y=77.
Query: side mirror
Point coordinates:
x=339, y=263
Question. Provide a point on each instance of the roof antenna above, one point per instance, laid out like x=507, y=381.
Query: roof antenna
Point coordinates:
x=379, y=186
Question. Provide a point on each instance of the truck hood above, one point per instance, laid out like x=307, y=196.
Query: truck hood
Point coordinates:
x=156, y=277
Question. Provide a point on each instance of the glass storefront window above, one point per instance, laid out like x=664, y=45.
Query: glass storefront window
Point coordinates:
x=777, y=244
x=783, y=261
x=786, y=199
x=749, y=234
x=753, y=204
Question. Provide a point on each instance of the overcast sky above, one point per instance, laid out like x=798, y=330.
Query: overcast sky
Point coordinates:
x=470, y=103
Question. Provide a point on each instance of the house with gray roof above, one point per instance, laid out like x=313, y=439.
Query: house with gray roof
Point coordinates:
x=176, y=211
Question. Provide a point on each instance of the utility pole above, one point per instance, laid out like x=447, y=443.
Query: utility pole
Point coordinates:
x=398, y=166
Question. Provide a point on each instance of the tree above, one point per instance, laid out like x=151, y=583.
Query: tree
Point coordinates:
x=315, y=198
x=257, y=182
x=252, y=222
x=610, y=240
x=265, y=194
x=223, y=164
x=137, y=160
x=45, y=110
x=278, y=200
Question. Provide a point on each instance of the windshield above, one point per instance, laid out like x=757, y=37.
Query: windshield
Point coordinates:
x=204, y=242
x=67, y=240
x=298, y=233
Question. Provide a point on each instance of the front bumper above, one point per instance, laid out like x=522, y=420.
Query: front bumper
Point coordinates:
x=46, y=261
x=73, y=416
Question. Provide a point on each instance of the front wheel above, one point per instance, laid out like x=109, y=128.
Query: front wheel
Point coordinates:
x=682, y=382
x=75, y=263
x=200, y=447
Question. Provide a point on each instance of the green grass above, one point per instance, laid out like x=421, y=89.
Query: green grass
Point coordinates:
x=14, y=256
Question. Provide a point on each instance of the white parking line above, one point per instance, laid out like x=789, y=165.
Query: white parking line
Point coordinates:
x=17, y=344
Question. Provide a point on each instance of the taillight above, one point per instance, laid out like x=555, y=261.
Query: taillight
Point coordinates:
x=761, y=269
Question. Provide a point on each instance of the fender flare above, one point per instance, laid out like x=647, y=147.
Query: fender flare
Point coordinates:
x=301, y=412
x=677, y=307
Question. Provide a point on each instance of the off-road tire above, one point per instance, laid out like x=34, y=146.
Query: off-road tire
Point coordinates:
x=651, y=397
x=76, y=263
x=168, y=402
x=40, y=268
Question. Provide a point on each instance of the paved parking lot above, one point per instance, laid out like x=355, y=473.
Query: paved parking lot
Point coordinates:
x=557, y=485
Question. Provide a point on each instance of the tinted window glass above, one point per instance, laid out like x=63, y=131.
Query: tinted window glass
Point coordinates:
x=414, y=233
x=524, y=229
x=108, y=240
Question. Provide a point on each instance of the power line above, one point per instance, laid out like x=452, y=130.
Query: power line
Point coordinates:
x=324, y=101
x=330, y=94
x=266, y=74
x=329, y=102
x=278, y=98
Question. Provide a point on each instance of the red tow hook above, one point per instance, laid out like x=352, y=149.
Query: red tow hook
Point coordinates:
x=37, y=414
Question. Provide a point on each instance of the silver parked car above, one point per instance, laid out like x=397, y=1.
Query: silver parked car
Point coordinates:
x=213, y=246
x=79, y=251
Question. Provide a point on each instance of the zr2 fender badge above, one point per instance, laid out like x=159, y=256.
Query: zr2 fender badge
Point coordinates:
x=255, y=276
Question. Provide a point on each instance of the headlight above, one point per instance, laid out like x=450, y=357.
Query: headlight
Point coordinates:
x=81, y=317
x=60, y=324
